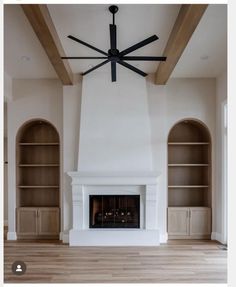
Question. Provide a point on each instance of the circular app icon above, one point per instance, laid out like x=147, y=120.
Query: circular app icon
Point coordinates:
x=18, y=267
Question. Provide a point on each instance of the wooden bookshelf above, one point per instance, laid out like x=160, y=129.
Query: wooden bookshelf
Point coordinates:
x=39, y=165
x=35, y=143
x=38, y=186
x=188, y=143
x=188, y=186
x=38, y=181
x=187, y=164
x=189, y=178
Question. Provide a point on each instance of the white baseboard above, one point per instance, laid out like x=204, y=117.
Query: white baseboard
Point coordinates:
x=11, y=236
x=64, y=236
x=5, y=222
x=163, y=237
x=217, y=236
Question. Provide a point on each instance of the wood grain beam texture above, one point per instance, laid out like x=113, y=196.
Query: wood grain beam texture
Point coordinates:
x=187, y=20
x=42, y=24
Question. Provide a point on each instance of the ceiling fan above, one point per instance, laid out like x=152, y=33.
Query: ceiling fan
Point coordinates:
x=113, y=55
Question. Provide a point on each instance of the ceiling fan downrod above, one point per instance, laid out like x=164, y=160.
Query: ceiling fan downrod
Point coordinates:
x=113, y=9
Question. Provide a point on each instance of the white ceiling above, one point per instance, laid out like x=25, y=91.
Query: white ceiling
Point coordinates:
x=206, y=52
x=90, y=23
x=21, y=41
x=135, y=23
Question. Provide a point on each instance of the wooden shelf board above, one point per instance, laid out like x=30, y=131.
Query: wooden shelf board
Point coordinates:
x=188, y=206
x=188, y=164
x=33, y=144
x=188, y=143
x=39, y=206
x=39, y=165
x=38, y=186
x=188, y=186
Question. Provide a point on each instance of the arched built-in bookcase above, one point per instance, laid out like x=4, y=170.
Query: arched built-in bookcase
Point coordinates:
x=38, y=180
x=189, y=180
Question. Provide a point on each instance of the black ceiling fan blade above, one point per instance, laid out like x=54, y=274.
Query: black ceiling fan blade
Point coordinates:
x=113, y=36
x=83, y=58
x=95, y=67
x=113, y=71
x=143, y=58
x=87, y=45
x=132, y=68
x=139, y=45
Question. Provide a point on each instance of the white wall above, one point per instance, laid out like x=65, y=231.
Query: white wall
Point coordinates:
x=30, y=99
x=221, y=96
x=71, y=125
x=7, y=87
x=47, y=99
x=179, y=99
x=115, y=127
x=7, y=98
x=5, y=208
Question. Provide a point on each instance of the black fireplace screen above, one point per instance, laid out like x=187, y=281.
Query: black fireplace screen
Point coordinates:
x=114, y=211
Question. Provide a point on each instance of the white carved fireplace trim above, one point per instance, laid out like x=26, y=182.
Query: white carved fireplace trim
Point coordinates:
x=81, y=235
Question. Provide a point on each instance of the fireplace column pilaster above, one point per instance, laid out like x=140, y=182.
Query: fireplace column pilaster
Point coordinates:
x=78, y=206
x=151, y=207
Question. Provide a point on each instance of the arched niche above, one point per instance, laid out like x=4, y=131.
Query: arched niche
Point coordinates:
x=38, y=131
x=189, y=180
x=189, y=130
x=38, y=180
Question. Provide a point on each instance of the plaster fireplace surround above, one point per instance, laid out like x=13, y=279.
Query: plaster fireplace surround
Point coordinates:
x=115, y=158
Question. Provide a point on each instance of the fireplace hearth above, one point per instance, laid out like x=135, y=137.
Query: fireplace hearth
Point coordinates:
x=114, y=211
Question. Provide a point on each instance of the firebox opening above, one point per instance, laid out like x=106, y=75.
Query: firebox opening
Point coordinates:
x=114, y=211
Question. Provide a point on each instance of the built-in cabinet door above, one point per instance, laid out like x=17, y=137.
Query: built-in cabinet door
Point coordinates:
x=189, y=222
x=48, y=221
x=178, y=221
x=27, y=221
x=200, y=221
x=37, y=222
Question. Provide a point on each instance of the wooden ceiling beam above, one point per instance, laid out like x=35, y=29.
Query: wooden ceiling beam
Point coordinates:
x=42, y=24
x=187, y=20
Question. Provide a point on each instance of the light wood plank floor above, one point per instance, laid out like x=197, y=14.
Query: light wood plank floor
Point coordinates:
x=179, y=261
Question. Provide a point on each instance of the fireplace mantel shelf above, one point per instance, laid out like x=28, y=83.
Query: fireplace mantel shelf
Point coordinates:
x=115, y=178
